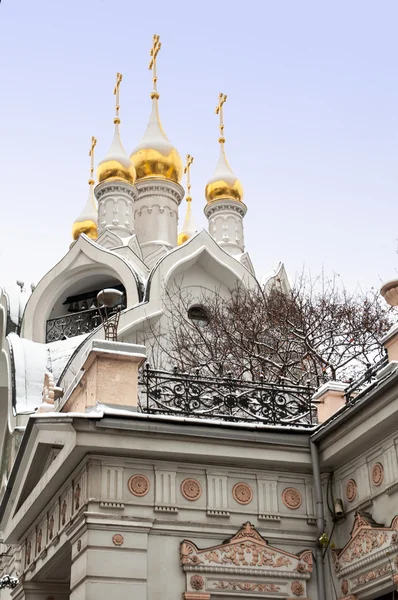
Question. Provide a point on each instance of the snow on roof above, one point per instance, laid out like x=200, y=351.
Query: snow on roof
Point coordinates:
x=30, y=361
x=16, y=300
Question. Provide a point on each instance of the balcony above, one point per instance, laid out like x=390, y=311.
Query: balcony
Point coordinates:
x=226, y=399
x=67, y=326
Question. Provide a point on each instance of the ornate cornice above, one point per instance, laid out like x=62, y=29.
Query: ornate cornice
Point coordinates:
x=213, y=208
x=115, y=187
x=154, y=187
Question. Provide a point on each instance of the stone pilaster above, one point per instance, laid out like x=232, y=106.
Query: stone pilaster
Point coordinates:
x=109, y=560
x=116, y=207
x=156, y=214
x=226, y=224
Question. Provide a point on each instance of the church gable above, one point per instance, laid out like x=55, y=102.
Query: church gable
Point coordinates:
x=245, y=564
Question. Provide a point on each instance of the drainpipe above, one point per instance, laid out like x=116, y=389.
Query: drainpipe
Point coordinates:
x=320, y=521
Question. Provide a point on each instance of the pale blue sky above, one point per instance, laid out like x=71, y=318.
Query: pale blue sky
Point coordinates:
x=311, y=120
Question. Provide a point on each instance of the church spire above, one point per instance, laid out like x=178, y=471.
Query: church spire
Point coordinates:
x=223, y=184
x=155, y=156
x=189, y=226
x=87, y=220
x=116, y=166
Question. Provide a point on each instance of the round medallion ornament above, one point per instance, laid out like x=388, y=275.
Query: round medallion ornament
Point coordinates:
x=297, y=588
x=118, y=539
x=351, y=490
x=291, y=498
x=344, y=587
x=197, y=582
x=191, y=489
x=139, y=485
x=242, y=493
x=377, y=474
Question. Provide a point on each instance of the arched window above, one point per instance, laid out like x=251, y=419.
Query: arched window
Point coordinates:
x=198, y=314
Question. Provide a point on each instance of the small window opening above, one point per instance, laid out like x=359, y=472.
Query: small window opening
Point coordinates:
x=198, y=314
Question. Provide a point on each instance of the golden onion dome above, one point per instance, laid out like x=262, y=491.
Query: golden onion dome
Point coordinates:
x=224, y=184
x=87, y=220
x=116, y=166
x=155, y=156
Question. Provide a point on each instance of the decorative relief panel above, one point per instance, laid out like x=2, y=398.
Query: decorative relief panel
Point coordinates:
x=377, y=474
x=191, y=489
x=351, y=490
x=245, y=564
x=291, y=498
x=371, y=555
x=242, y=493
x=50, y=524
x=138, y=485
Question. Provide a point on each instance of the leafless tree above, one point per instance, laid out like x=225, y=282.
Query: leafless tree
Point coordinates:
x=317, y=332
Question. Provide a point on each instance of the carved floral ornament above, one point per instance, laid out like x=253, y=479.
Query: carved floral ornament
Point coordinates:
x=231, y=566
x=291, y=498
x=377, y=474
x=191, y=489
x=370, y=555
x=351, y=490
x=242, y=493
x=138, y=485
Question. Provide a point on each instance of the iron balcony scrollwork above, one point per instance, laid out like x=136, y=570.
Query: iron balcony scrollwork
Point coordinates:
x=67, y=326
x=365, y=382
x=226, y=398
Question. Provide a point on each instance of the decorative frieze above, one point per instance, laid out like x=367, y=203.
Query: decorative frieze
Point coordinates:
x=370, y=555
x=245, y=563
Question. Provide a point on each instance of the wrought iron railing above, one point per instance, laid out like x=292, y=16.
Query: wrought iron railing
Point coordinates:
x=366, y=381
x=68, y=326
x=225, y=398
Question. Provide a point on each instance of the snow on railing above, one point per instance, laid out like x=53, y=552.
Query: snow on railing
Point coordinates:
x=226, y=398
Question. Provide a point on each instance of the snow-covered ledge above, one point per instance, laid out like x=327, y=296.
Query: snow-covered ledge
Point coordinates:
x=109, y=377
x=329, y=398
x=390, y=343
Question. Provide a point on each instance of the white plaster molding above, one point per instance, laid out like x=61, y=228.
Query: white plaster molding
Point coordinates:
x=83, y=258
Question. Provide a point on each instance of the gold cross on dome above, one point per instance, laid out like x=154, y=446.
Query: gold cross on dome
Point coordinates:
x=222, y=98
x=187, y=171
x=116, y=89
x=152, y=65
x=91, y=154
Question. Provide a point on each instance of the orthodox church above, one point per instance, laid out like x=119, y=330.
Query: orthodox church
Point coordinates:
x=108, y=488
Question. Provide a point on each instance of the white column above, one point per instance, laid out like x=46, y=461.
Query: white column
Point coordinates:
x=156, y=214
x=116, y=207
x=226, y=224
